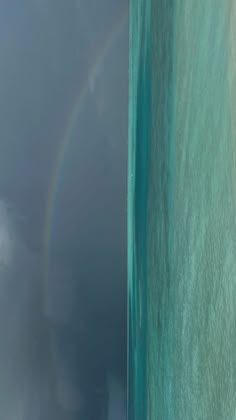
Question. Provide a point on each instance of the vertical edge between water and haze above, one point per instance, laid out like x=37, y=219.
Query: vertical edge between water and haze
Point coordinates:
x=139, y=102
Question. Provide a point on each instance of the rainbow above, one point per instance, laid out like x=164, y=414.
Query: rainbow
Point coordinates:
x=72, y=119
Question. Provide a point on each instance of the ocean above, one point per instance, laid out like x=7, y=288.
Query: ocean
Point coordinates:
x=182, y=210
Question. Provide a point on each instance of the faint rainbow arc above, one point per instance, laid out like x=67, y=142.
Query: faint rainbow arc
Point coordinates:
x=58, y=163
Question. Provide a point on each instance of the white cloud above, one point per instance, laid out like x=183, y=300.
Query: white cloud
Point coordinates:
x=22, y=338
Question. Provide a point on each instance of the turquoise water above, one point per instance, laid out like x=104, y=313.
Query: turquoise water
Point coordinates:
x=182, y=210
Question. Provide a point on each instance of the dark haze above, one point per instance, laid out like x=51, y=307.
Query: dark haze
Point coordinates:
x=68, y=361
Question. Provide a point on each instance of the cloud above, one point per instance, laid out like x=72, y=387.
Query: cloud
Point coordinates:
x=24, y=350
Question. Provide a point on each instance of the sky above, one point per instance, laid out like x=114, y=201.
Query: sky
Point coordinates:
x=63, y=160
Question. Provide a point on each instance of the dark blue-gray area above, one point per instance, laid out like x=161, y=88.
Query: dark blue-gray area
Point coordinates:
x=47, y=49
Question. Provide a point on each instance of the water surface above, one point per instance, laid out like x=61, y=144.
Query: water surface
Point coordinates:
x=182, y=211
